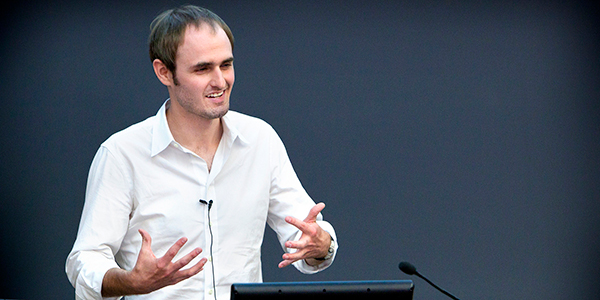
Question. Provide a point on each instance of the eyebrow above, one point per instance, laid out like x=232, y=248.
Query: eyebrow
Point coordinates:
x=201, y=65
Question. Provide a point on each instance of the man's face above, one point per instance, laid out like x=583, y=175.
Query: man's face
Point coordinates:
x=204, y=72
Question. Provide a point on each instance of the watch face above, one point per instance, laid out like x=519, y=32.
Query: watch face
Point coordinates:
x=331, y=248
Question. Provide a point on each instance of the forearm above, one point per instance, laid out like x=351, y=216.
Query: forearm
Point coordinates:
x=117, y=282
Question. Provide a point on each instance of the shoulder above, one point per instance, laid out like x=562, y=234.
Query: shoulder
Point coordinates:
x=252, y=130
x=238, y=118
x=138, y=135
x=248, y=125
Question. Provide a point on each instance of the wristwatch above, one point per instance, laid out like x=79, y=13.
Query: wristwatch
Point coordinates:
x=329, y=251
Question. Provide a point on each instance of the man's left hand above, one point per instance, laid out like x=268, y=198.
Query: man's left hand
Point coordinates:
x=313, y=243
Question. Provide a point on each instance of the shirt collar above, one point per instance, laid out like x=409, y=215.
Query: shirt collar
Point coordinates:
x=162, y=137
x=161, y=134
x=231, y=131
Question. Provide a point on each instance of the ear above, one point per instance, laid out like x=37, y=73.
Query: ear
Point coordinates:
x=162, y=72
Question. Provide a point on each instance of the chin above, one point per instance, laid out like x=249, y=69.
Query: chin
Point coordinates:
x=216, y=113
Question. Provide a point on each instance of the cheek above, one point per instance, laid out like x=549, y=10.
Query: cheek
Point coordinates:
x=190, y=90
x=197, y=85
x=230, y=77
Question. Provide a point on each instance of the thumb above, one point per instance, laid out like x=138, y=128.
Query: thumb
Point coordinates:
x=146, y=239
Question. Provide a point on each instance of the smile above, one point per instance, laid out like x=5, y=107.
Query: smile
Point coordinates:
x=215, y=95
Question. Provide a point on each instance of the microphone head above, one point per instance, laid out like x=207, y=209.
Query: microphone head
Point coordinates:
x=407, y=268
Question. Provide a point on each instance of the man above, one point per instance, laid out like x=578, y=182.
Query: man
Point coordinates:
x=196, y=178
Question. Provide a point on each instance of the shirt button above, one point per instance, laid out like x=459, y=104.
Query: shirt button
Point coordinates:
x=210, y=292
x=210, y=258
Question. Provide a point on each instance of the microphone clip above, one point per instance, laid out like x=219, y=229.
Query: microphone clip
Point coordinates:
x=209, y=203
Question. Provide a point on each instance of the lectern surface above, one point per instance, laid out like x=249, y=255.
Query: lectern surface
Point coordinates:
x=329, y=290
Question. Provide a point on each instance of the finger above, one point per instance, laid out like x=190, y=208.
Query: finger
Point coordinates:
x=293, y=256
x=314, y=212
x=297, y=223
x=184, y=261
x=177, y=275
x=170, y=254
x=195, y=269
x=290, y=258
x=285, y=263
x=187, y=273
x=295, y=244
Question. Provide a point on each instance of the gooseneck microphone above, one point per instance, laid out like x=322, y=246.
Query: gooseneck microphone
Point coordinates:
x=409, y=269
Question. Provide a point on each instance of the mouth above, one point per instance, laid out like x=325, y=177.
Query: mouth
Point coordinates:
x=216, y=94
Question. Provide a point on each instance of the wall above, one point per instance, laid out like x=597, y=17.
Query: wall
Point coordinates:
x=460, y=136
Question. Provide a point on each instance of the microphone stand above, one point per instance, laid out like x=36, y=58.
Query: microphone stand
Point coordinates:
x=409, y=269
x=437, y=287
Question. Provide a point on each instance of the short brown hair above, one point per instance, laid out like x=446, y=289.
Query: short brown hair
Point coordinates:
x=168, y=28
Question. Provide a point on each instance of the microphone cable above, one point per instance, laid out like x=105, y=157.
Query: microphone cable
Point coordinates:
x=212, y=259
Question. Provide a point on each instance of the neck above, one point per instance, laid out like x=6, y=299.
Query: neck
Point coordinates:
x=197, y=134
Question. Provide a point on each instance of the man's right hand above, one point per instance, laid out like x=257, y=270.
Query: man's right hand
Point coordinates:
x=151, y=273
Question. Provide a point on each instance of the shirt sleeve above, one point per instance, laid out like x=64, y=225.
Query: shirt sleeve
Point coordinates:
x=288, y=198
x=102, y=227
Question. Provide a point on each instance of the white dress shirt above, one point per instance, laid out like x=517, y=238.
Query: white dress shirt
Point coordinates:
x=142, y=178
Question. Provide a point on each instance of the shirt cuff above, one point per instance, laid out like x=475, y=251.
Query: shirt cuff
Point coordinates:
x=88, y=284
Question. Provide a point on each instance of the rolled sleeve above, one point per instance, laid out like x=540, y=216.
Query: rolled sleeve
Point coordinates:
x=288, y=198
x=87, y=278
x=103, y=224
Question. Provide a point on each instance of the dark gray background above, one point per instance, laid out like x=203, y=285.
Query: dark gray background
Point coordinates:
x=461, y=136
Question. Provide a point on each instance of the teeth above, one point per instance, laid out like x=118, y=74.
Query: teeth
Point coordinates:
x=215, y=95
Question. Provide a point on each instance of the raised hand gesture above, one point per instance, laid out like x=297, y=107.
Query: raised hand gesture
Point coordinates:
x=150, y=273
x=313, y=243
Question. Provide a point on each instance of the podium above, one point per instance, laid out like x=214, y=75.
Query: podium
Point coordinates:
x=324, y=290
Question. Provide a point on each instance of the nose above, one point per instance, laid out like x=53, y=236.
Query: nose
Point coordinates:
x=218, y=79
